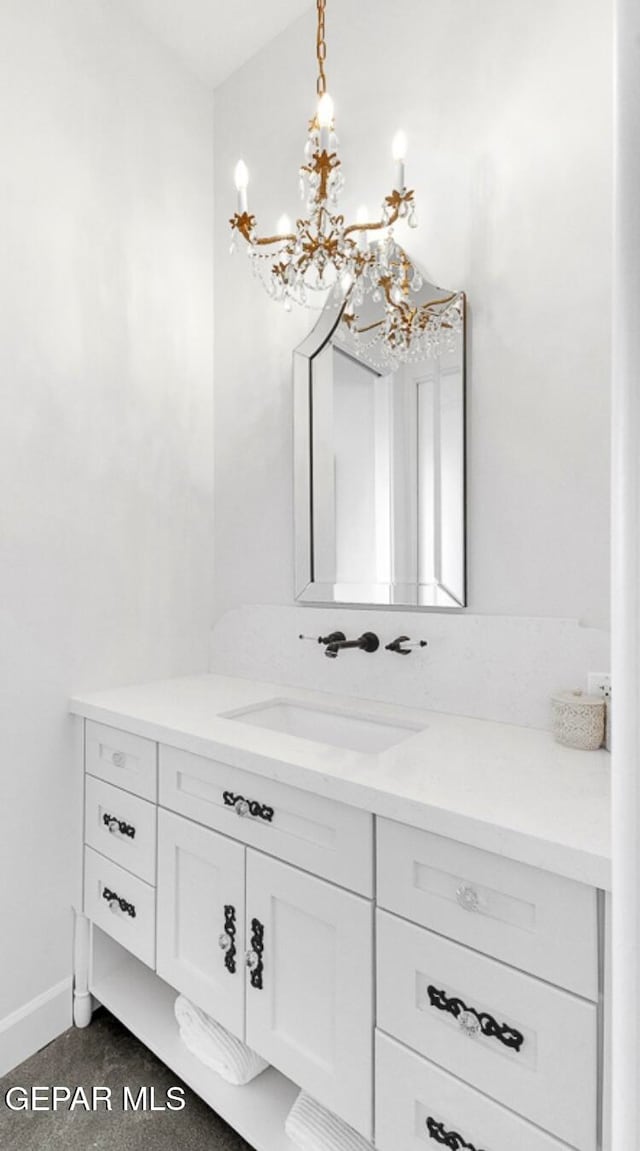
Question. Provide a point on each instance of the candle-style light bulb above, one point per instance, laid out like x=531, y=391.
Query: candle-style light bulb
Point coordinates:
x=362, y=217
x=325, y=110
x=399, y=146
x=284, y=225
x=241, y=177
x=325, y=120
x=399, y=153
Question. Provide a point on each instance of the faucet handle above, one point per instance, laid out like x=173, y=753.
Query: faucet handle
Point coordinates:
x=396, y=645
x=333, y=637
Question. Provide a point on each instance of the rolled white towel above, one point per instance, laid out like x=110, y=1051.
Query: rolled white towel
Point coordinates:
x=313, y=1128
x=216, y=1047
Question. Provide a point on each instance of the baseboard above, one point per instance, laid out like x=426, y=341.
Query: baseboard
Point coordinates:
x=31, y=1027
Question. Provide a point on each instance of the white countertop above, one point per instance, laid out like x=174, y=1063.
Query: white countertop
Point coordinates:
x=510, y=790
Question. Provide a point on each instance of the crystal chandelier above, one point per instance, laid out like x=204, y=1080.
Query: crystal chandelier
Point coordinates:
x=323, y=254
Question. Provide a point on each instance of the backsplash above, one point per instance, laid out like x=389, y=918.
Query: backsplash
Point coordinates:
x=490, y=667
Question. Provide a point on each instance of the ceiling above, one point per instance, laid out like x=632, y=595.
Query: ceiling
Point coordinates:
x=214, y=37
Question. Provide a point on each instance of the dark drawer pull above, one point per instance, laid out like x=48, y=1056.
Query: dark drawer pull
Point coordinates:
x=112, y=822
x=472, y=1021
x=111, y=898
x=449, y=1139
x=227, y=940
x=248, y=806
x=253, y=958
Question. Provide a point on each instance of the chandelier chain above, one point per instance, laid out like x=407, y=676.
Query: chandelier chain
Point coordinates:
x=321, y=49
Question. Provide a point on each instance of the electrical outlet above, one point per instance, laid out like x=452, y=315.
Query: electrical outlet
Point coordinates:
x=599, y=683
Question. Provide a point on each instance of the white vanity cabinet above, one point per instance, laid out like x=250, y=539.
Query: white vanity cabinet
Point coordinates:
x=438, y=994
x=281, y=958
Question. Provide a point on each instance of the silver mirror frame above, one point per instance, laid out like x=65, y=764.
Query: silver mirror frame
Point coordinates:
x=306, y=590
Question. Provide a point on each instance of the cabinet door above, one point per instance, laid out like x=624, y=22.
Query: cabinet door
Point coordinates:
x=200, y=945
x=310, y=985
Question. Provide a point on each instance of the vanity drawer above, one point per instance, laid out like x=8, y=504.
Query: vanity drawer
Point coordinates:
x=121, y=904
x=122, y=827
x=524, y=916
x=128, y=761
x=420, y=1106
x=319, y=835
x=521, y=1041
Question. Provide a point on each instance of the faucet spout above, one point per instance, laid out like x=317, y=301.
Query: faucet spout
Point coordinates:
x=368, y=641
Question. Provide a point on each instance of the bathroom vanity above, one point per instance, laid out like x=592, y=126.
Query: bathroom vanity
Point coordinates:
x=403, y=912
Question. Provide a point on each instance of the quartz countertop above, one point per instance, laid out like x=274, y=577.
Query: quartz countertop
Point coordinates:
x=507, y=789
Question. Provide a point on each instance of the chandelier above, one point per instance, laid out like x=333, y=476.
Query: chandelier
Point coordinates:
x=323, y=254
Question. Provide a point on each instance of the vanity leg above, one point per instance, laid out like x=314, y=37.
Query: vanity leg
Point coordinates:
x=82, y=1009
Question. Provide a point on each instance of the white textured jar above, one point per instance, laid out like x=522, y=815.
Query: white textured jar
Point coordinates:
x=578, y=719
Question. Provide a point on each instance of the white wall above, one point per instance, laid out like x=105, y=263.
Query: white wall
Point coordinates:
x=106, y=187
x=508, y=108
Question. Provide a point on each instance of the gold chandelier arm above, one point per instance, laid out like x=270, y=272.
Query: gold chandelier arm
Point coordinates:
x=245, y=224
x=368, y=328
x=438, y=303
x=263, y=241
x=373, y=227
x=393, y=203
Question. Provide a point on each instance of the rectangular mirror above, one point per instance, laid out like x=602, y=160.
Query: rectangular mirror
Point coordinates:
x=379, y=469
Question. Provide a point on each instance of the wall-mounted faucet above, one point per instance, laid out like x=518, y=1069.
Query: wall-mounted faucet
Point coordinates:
x=336, y=641
x=368, y=641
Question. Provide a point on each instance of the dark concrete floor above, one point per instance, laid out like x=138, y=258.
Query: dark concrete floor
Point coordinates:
x=107, y=1055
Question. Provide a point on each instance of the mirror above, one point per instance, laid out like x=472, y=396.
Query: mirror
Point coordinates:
x=379, y=464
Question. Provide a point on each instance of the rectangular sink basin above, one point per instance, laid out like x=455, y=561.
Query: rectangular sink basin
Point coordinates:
x=322, y=725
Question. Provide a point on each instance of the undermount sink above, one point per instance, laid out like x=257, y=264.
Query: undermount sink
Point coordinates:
x=323, y=725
